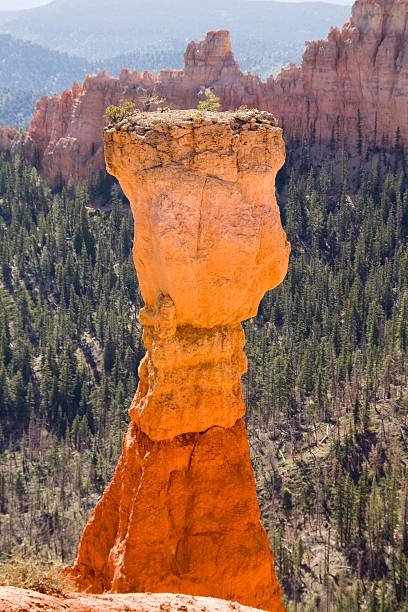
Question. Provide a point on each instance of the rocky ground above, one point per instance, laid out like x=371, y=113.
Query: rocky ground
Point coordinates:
x=13, y=599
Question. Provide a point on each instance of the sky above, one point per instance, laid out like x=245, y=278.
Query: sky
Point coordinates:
x=16, y=5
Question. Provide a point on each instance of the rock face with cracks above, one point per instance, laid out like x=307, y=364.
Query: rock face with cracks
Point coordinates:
x=181, y=514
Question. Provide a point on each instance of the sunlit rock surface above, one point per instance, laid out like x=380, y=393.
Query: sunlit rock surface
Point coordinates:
x=181, y=514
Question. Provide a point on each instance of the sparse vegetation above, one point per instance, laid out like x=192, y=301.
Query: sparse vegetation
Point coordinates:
x=114, y=114
x=210, y=102
x=152, y=99
x=30, y=572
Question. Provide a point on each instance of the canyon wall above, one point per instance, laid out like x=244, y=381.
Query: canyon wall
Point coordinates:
x=181, y=513
x=354, y=82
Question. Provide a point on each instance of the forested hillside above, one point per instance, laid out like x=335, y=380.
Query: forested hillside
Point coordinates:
x=327, y=388
x=326, y=385
x=29, y=70
x=70, y=345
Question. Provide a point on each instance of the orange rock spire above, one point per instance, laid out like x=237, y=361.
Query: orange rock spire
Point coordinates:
x=181, y=514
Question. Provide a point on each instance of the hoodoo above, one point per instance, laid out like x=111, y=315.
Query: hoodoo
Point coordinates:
x=181, y=514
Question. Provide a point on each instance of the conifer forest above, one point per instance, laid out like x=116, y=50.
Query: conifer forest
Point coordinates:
x=326, y=387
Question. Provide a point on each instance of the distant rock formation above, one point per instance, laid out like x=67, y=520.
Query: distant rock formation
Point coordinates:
x=351, y=86
x=66, y=131
x=181, y=513
x=8, y=136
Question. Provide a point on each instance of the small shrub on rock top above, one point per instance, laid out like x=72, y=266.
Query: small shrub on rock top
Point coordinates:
x=114, y=114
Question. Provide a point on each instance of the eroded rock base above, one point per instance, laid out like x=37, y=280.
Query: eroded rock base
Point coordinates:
x=181, y=516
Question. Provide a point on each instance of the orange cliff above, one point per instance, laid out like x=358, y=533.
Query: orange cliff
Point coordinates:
x=356, y=78
x=181, y=513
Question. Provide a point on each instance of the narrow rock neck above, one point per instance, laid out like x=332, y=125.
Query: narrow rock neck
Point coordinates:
x=190, y=378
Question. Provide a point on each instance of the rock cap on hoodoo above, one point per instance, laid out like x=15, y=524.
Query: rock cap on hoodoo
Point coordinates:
x=222, y=144
x=238, y=120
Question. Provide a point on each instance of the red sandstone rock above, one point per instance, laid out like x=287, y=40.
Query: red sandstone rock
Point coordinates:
x=13, y=599
x=181, y=514
x=7, y=137
x=67, y=130
x=363, y=68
